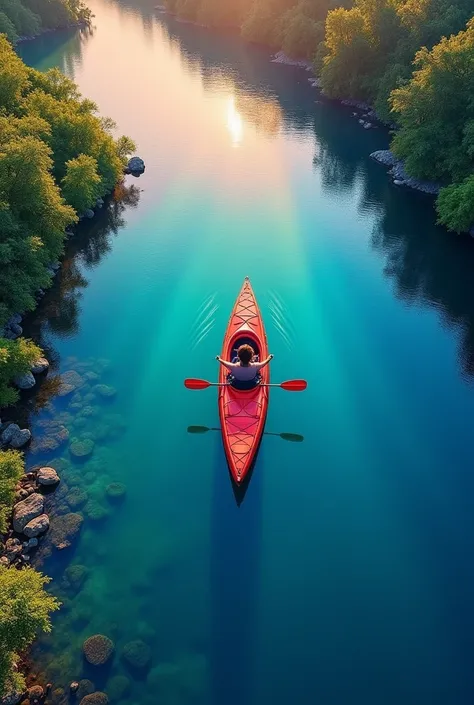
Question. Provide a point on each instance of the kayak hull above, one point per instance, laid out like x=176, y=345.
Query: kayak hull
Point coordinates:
x=243, y=412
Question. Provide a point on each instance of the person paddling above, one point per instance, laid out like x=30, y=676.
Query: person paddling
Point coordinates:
x=244, y=370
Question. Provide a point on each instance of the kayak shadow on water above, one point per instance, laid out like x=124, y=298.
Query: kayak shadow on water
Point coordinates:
x=234, y=585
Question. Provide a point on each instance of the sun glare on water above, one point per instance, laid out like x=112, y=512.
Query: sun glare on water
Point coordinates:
x=234, y=122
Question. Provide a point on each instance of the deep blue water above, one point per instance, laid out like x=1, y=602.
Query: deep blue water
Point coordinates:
x=346, y=575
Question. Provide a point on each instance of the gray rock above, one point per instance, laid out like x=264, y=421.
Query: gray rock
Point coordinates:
x=99, y=203
x=16, y=329
x=89, y=213
x=37, y=526
x=28, y=509
x=16, y=318
x=136, y=165
x=11, y=698
x=32, y=543
x=26, y=381
x=39, y=366
x=9, y=432
x=397, y=182
x=47, y=476
x=361, y=122
x=20, y=438
x=385, y=156
x=367, y=126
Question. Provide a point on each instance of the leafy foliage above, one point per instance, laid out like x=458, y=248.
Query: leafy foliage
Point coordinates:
x=26, y=607
x=11, y=469
x=455, y=205
x=28, y=17
x=56, y=157
x=16, y=357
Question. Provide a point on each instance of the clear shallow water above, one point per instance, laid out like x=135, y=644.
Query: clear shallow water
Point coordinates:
x=346, y=574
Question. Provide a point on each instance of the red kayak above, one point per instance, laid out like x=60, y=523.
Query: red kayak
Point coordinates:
x=243, y=412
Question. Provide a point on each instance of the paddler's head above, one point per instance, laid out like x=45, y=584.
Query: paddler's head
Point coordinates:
x=245, y=353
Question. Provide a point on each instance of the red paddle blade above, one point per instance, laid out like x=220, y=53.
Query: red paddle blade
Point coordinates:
x=196, y=383
x=294, y=385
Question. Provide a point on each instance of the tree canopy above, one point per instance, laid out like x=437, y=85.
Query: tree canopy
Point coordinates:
x=26, y=18
x=57, y=156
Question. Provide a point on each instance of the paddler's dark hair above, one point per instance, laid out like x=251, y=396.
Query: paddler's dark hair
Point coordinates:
x=245, y=354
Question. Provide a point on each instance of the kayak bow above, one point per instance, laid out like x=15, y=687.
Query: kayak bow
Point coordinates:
x=243, y=412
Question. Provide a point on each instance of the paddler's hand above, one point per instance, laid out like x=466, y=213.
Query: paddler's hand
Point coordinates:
x=217, y=357
x=271, y=356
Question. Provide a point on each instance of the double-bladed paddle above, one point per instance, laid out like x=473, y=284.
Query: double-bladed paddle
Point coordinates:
x=293, y=437
x=292, y=385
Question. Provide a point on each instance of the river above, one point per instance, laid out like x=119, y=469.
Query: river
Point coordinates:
x=346, y=574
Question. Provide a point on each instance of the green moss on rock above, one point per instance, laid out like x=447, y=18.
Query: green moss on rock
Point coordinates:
x=137, y=654
x=81, y=448
x=76, y=497
x=98, y=649
x=117, y=687
x=95, y=511
x=116, y=491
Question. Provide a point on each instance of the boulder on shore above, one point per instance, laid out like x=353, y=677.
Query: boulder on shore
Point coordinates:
x=397, y=170
x=39, y=366
x=26, y=381
x=37, y=526
x=47, y=476
x=25, y=511
x=135, y=166
x=20, y=438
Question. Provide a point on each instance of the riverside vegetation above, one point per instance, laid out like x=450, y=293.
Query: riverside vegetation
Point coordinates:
x=27, y=18
x=413, y=60
x=58, y=158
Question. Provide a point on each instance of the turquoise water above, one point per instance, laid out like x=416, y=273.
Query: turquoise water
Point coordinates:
x=346, y=575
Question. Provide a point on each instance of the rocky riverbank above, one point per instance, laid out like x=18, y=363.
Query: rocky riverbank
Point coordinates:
x=400, y=177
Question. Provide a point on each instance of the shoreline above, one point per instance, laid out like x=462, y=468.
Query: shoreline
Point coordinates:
x=51, y=30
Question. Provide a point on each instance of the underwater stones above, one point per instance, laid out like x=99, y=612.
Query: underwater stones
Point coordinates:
x=74, y=687
x=70, y=381
x=81, y=448
x=105, y=391
x=95, y=511
x=116, y=491
x=75, y=576
x=88, y=411
x=98, y=649
x=97, y=698
x=137, y=655
x=91, y=376
x=26, y=510
x=117, y=687
x=25, y=381
x=39, y=366
x=47, y=476
x=86, y=687
x=64, y=529
x=54, y=438
x=90, y=476
x=37, y=526
x=76, y=497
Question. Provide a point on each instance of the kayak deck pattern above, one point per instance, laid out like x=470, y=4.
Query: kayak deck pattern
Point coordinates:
x=243, y=413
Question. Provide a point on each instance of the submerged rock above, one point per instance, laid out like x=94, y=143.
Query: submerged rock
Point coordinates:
x=97, y=698
x=117, y=687
x=116, y=491
x=86, y=687
x=81, y=448
x=98, y=649
x=37, y=526
x=25, y=511
x=70, y=381
x=137, y=654
x=64, y=529
x=105, y=391
x=75, y=576
x=76, y=497
x=95, y=511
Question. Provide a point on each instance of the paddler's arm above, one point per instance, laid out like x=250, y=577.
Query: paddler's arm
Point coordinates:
x=229, y=365
x=264, y=362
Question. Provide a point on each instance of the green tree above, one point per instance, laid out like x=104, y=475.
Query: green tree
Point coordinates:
x=16, y=357
x=7, y=27
x=80, y=185
x=455, y=206
x=26, y=609
x=11, y=469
